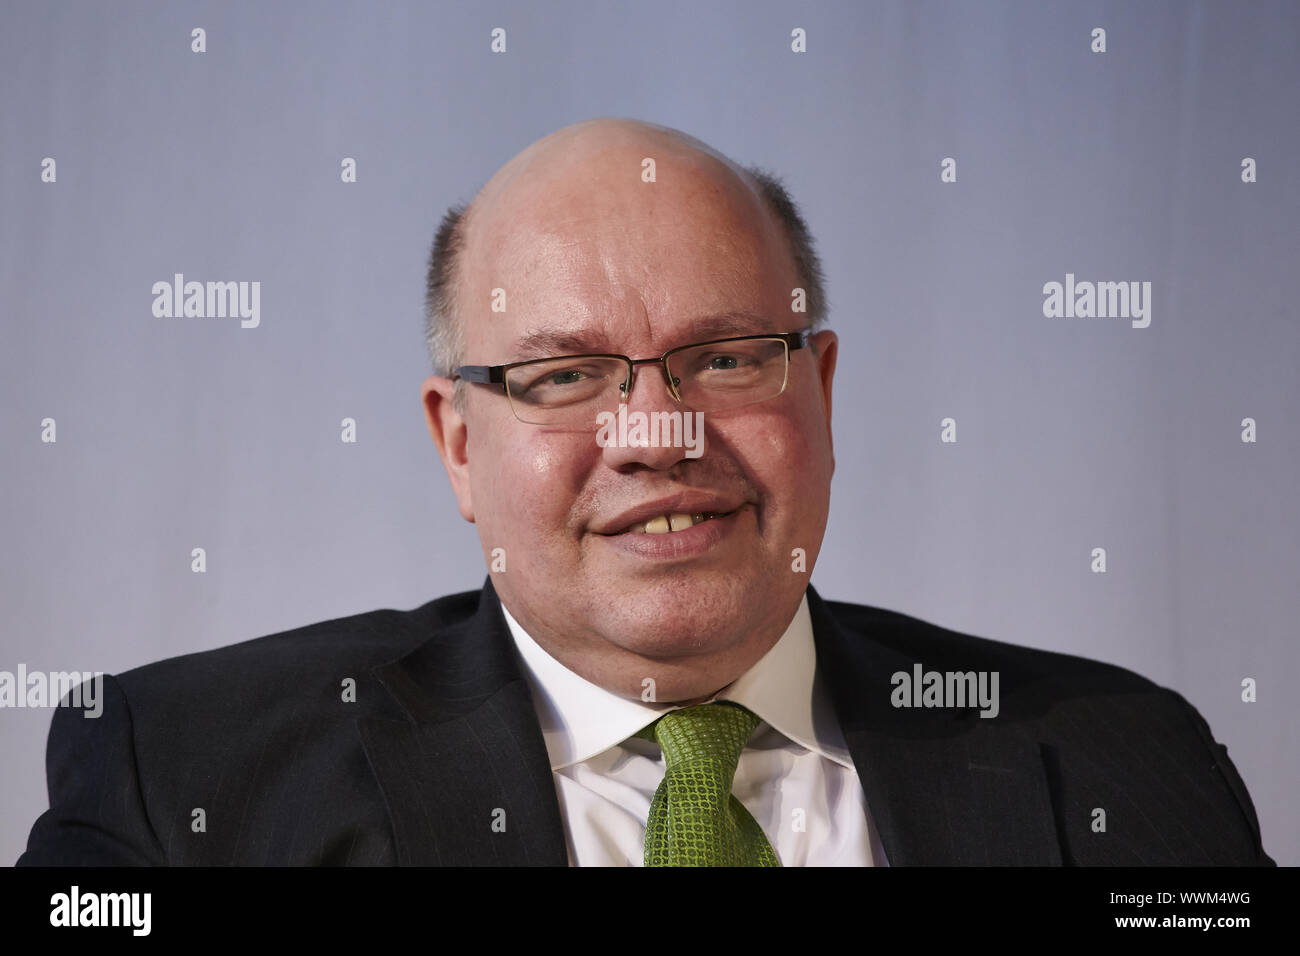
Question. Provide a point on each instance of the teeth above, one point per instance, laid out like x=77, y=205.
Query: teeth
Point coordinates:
x=678, y=521
x=667, y=523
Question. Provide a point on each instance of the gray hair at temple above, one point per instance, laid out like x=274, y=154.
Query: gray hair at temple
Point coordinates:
x=441, y=305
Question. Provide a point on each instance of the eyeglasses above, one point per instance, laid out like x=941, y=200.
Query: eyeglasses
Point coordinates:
x=713, y=376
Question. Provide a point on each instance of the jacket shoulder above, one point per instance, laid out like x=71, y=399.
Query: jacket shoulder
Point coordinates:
x=1108, y=738
x=260, y=738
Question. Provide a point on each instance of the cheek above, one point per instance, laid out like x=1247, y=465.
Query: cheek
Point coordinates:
x=527, y=483
x=786, y=458
x=783, y=455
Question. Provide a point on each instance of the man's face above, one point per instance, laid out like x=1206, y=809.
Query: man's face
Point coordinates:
x=587, y=251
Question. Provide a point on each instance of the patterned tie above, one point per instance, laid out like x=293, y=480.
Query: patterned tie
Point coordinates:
x=694, y=819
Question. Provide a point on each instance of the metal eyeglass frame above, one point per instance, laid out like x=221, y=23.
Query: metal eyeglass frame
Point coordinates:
x=496, y=374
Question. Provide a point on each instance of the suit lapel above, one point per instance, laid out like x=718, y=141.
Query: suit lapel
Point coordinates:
x=465, y=777
x=943, y=787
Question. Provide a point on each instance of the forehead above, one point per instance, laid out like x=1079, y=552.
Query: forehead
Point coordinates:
x=563, y=338
x=589, y=257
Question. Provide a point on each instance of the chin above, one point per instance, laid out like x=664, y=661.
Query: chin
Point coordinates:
x=676, y=644
x=684, y=614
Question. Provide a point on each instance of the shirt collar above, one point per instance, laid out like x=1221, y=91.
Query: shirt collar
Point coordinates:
x=580, y=719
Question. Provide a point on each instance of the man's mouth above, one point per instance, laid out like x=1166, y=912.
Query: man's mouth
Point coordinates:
x=666, y=524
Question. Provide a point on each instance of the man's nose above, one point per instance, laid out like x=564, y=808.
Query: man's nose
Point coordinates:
x=663, y=424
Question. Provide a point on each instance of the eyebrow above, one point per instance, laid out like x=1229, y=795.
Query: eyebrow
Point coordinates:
x=541, y=343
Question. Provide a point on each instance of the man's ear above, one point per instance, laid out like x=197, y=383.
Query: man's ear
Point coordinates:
x=826, y=348
x=451, y=436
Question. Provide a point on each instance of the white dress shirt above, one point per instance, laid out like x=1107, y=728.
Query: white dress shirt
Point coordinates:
x=795, y=775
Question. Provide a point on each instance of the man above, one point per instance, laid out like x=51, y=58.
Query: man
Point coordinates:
x=647, y=675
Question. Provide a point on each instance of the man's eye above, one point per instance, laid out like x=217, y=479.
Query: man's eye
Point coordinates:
x=571, y=381
x=726, y=362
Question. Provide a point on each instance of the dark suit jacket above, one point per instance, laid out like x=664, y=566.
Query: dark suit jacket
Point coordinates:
x=442, y=736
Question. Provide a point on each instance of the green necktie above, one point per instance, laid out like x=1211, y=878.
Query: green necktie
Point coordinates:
x=694, y=819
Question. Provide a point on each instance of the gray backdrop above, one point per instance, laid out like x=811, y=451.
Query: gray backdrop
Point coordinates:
x=1072, y=434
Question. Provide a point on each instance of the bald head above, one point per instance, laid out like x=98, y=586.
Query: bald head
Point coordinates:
x=588, y=162
x=592, y=175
